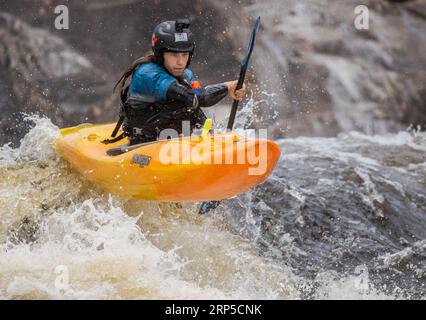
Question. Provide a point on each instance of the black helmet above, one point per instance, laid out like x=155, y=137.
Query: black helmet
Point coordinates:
x=172, y=36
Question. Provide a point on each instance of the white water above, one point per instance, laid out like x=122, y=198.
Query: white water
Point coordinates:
x=91, y=245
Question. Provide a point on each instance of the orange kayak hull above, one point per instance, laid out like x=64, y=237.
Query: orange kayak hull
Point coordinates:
x=212, y=167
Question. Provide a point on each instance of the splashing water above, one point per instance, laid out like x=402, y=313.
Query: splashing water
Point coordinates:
x=111, y=248
x=61, y=237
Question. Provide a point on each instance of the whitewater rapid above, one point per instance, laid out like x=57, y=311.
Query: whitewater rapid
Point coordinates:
x=62, y=238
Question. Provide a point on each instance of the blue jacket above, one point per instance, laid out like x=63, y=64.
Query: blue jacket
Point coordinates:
x=152, y=82
x=157, y=100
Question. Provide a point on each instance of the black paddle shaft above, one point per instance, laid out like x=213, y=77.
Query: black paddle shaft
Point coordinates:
x=243, y=70
x=235, y=102
x=207, y=206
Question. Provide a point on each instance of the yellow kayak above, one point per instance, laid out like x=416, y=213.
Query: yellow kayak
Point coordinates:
x=201, y=168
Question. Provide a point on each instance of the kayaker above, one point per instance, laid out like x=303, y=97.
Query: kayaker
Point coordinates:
x=163, y=91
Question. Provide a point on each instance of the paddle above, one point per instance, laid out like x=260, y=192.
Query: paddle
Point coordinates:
x=206, y=206
x=243, y=70
x=126, y=148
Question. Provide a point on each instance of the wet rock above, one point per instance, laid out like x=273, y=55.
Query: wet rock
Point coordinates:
x=42, y=74
x=329, y=76
x=68, y=75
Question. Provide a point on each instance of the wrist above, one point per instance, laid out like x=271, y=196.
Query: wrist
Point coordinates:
x=228, y=85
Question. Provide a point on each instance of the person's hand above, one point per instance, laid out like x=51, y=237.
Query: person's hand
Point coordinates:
x=236, y=94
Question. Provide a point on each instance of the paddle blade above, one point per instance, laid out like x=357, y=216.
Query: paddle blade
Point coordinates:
x=244, y=63
x=208, y=206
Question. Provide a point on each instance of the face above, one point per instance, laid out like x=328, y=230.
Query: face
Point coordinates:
x=175, y=62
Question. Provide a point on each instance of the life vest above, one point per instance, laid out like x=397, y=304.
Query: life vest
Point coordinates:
x=142, y=119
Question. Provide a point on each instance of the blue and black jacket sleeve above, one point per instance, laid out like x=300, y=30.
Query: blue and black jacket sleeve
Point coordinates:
x=194, y=98
x=151, y=83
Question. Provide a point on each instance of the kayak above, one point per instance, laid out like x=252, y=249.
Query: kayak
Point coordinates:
x=193, y=168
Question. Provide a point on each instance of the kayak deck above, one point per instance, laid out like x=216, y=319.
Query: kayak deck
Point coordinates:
x=185, y=169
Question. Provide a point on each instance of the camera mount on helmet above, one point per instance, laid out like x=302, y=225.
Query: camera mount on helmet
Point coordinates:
x=182, y=24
